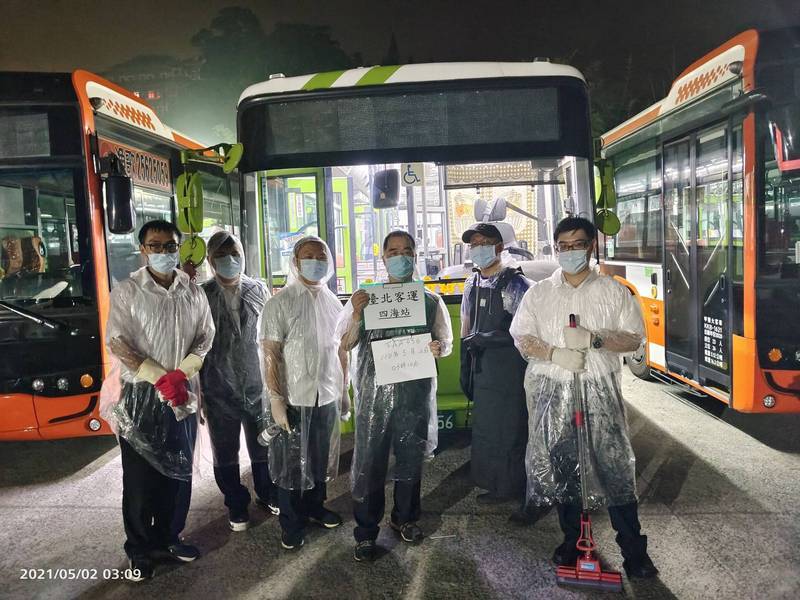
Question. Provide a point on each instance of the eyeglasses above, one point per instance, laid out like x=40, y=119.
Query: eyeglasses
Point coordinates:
x=158, y=248
x=576, y=245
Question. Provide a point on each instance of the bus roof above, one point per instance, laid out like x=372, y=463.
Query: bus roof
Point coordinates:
x=426, y=72
x=735, y=58
x=121, y=105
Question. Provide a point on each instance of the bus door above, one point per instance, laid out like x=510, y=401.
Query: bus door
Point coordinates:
x=697, y=237
x=291, y=205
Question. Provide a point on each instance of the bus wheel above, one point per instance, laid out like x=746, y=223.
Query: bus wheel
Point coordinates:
x=637, y=363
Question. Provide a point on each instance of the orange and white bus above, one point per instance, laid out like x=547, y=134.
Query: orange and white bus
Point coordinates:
x=707, y=187
x=58, y=258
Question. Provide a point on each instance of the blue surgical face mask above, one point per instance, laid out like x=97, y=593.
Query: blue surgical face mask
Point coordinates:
x=401, y=266
x=229, y=267
x=163, y=263
x=573, y=261
x=313, y=270
x=482, y=256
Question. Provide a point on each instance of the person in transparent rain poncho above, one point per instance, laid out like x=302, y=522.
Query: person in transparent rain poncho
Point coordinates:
x=493, y=372
x=306, y=383
x=232, y=379
x=609, y=324
x=390, y=418
x=158, y=333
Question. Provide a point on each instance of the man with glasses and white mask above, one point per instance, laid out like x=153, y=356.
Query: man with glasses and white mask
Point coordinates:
x=159, y=331
x=492, y=370
x=609, y=324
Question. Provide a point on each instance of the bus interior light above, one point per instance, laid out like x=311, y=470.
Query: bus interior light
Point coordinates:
x=37, y=385
x=62, y=384
x=769, y=401
x=775, y=354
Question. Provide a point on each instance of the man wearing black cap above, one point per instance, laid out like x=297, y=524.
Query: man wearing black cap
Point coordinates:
x=492, y=370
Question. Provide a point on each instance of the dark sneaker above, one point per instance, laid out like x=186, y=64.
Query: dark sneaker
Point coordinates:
x=640, y=569
x=490, y=498
x=409, y=532
x=183, y=552
x=271, y=506
x=140, y=569
x=327, y=519
x=526, y=516
x=365, y=551
x=292, y=542
x=239, y=520
x=566, y=555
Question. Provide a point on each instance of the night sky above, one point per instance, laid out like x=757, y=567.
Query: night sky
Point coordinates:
x=656, y=39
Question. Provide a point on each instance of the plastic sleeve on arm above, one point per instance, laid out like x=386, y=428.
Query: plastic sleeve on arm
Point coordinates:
x=131, y=358
x=531, y=347
x=273, y=368
x=619, y=341
x=204, y=338
x=348, y=329
x=191, y=365
x=150, y=371
x=443, y=328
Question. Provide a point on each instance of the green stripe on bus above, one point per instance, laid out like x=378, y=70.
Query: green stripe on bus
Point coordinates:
x=377, y=75
x=322, y=80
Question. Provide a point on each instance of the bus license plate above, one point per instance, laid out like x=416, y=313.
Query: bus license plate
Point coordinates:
x=447, y=420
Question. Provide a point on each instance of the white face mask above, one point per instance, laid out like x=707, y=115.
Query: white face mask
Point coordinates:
x=229, y=267
x=573, y=261
x=163, y=264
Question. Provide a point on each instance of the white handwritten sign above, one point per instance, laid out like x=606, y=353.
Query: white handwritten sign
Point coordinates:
x=395, y=305
x=403, y=358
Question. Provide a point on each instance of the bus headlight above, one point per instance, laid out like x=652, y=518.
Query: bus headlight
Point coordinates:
x=86, y=380
x=769, y=401
x=775, y=354
x=37, y=385
x=62, y=384
x=797, y=356
x=94, y=425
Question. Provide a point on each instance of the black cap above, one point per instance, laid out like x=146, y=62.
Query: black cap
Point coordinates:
x=485, y=229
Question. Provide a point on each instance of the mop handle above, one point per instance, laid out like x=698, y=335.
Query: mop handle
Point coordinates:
x=580, y=426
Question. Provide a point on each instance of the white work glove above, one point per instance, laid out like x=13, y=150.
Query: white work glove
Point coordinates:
x=277, y=406
x=577, y=338
x=571, y=360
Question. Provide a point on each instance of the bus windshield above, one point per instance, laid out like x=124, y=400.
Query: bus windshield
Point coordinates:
x=41, y=257
x=436, y=204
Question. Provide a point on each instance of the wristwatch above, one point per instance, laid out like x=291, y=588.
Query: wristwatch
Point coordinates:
x=597, y=341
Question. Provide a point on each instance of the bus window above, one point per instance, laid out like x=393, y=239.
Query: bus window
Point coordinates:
x=39, y=253
x=637, y=177
x=291, y=213
x=780, y=251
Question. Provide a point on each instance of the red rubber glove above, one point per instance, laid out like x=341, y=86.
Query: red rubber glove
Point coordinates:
x=173, y=387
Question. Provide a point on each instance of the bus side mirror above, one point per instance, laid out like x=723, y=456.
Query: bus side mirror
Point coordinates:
x=605, y=191
x=386, y=188
x=119, y=204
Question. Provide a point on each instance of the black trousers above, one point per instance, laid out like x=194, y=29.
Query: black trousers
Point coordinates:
x=298, y=505
x=148, y=504
x=409, y=454
x=224, y=429
x=624, y=520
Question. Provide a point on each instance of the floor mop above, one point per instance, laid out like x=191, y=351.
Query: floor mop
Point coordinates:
x=587, y=572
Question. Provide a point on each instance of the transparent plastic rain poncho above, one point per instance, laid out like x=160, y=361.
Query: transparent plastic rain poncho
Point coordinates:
x=608, y=310
x=400, y=415
x=232, y=376
x=303, y=370
x=166, y=329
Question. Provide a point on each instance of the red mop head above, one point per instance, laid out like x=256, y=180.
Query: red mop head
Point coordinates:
x=587, y=572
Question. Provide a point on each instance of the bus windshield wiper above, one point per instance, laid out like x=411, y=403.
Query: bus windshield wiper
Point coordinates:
x=38, y=319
